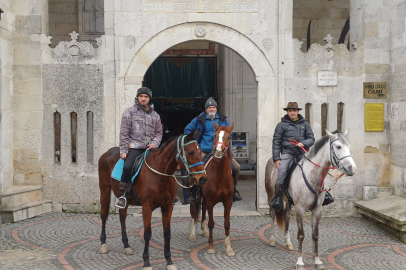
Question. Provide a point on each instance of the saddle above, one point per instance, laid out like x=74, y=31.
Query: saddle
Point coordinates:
x=292, y=165
x=137, y=165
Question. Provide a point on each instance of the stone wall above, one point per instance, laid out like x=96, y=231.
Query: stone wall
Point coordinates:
x=397, y=109
x=327, y=17
x=31, y=21
x=6, y=97
x=63, y=19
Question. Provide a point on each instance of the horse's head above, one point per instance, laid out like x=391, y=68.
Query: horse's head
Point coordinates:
x=193, y=154
x=221, y=140
x=340, y=153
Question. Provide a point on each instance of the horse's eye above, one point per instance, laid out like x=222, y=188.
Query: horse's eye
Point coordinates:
x=191, y=153
x=215, y=136
x=338, y=147
x=229, y=137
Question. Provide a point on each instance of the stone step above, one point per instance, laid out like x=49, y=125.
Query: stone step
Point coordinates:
x=25, y=211
x=20, y=195
x=376, y=192
x=389, y=211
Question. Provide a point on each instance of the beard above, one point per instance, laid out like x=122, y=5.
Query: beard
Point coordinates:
x=211, y=113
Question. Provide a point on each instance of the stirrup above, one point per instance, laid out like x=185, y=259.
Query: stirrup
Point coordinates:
x=120, y=206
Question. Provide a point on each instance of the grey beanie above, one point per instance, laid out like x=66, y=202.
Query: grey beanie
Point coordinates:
x=144, y=90
x=210, y=102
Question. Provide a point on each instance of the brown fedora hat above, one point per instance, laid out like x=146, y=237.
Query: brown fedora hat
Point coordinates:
x=292, y=105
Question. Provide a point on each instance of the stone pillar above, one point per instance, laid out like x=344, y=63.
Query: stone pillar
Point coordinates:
x=397, y=92
x=6, y=98
x=31, y=20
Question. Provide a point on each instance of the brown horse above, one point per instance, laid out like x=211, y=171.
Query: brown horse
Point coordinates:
x=154, y=190
x=219, y=188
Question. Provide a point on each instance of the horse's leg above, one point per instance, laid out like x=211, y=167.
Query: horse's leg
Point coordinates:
x=123, y=216
x=104, y=213
x=272, y=230
x=316, y=216
x=205, y=232
x=166, y=222
x=300, y=236
x=227, y=242
x=210, y=249
x=288, y=243
x=146, y=216
x=192, y=236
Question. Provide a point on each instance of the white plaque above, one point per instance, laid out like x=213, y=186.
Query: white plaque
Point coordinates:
x=326, y=78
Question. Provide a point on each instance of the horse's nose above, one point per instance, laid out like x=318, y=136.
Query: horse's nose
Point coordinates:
x=350, y=167
x=202, y=180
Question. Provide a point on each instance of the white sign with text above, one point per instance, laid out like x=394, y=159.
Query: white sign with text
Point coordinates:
x=326, y=78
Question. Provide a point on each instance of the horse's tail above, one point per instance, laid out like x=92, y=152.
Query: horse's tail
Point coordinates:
x=198, y=206
x=280, y=219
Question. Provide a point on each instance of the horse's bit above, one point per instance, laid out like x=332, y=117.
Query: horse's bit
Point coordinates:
x=214, y=153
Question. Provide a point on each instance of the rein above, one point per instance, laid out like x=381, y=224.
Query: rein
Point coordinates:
x=335, y=161
x=184, y=160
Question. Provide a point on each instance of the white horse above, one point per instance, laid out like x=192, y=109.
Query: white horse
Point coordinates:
x=331, y=150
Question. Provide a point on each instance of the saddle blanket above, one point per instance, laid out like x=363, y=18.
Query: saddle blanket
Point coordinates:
x=118, y=170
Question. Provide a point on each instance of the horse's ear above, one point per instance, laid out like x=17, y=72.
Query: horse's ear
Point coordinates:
x=346, y=132
x=230, y=152
x=216, y=126
x=189, y=137
x=231, y=128
x=331, y=135
x=196, y=134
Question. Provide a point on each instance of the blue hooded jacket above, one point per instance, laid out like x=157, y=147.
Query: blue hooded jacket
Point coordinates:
x=207, y=130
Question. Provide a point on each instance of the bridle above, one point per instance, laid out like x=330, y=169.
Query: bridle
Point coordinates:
x=335, y=160
x=180, y=154
x=214, y=152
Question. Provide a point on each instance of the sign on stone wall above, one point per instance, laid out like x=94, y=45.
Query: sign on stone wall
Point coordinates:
x=211, y=6
x=374, y=90
x=326, y=78
x=374, y=116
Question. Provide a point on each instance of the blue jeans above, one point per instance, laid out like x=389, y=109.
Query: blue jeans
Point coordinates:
x=185, y=194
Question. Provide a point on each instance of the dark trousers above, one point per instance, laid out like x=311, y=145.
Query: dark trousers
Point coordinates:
x=129, y=162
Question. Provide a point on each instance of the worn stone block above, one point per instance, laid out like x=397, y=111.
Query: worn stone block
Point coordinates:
x=33, y=179
x=30, y=153
x=371, y=29
x=28, y=103
x=377, y=69
x=66, y=8
x=28, y=24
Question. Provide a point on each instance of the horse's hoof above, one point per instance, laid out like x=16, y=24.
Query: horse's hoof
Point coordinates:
x=319, y=266
x=289, y=247
x=206, y=234
x=171, y=267
x=230, y=253
x=103, y=249
x=147, y=268
x=300, y=267
x=272, y=243
x=128, y=251
x=211, y=251
x=192, y=238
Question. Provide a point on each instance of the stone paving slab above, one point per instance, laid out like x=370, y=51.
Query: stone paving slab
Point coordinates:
x=72, y=241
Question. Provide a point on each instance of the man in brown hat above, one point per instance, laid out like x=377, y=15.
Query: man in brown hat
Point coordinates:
x=292, y=127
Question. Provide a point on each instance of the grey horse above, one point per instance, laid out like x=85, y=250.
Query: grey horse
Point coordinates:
x=331, y=150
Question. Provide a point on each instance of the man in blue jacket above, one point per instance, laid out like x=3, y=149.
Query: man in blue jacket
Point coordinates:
x=205, y=122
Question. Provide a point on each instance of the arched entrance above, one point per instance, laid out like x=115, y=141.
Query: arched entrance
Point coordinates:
x=248, y=50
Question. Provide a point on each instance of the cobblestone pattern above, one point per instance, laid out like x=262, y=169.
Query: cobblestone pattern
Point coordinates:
x=72, y=242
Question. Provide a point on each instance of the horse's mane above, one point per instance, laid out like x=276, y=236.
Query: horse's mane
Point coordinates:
x=323, y=140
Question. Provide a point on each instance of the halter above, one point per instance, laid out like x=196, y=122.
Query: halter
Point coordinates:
x=181, y=154
x=214, y=153
x=335, y=161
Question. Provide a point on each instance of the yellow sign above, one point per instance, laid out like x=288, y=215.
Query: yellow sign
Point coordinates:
x=374, y=115
x=374, y=90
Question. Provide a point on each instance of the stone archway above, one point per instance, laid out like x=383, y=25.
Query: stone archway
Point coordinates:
x=247, y=49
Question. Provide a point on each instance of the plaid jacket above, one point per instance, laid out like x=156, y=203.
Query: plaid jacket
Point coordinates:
x=138, y=127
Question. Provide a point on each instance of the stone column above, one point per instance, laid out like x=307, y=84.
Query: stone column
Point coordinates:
x=31, y=20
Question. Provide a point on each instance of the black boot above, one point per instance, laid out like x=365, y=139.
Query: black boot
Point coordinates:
x=236, y=196
x=328, y=199
x=192, y=197
x=278, y=200
x=122, y=201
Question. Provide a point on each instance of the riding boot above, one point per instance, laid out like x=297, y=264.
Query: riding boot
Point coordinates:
x=278, y=199
x=192, y=197
x=125, y=195
x=328, y=199
x=236, y=195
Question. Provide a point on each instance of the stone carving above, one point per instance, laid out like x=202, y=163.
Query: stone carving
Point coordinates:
x=73, y=51
x=200, y=31
x=267, y=43
x=328, y=57
x=130, y=42
x=218, y=6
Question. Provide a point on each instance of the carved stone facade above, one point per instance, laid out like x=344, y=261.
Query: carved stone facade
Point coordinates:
x=261, y=67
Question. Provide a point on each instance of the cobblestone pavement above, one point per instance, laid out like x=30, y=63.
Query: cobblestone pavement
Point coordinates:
x=71, y=241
